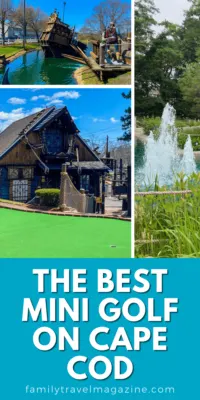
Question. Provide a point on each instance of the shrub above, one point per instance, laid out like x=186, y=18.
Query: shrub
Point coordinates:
x=149, y=124
x=195, y=137
x=153, y=123
x=48, y=197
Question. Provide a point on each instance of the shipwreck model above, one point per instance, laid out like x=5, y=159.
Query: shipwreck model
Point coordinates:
x=59, y=39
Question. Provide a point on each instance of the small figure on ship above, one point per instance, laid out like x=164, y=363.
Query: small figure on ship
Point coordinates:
x=110, y=45
x=110, y=34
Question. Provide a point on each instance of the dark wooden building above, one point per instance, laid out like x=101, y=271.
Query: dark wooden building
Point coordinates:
x=33, y=149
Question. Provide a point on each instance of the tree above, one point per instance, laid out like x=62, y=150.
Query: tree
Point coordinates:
x=145, y=11
x=126, y=121
x=109, y=10
x=144, y=25
x=189, y=84
x=35, y=19
x=6, y=8
x=158, y=70
x=191, y=31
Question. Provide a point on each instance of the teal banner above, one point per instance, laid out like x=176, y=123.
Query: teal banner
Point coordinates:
x=88, y=328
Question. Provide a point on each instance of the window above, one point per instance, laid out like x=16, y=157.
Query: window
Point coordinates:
x=85, y=182
x=20, y=173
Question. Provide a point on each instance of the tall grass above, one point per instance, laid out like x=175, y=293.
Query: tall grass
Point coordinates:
x=169, y=225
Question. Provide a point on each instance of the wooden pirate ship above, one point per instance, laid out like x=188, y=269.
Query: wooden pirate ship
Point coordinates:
x=59, y=39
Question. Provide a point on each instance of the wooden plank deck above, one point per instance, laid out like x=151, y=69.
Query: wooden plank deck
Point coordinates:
x=106, y=68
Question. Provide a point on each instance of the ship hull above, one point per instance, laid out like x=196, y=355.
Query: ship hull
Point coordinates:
x=58, y=38
x=57, y=51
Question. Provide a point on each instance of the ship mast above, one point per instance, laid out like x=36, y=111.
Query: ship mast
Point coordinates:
x=64, y=5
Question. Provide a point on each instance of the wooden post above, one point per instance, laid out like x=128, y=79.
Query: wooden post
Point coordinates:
x=121, y=170
x=103, y=195
x=129, y=190
x=120, y=46
x=63, y=205
x=115, y=175
x=102, y=55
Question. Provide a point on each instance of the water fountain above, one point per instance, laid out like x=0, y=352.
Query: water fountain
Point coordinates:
x=162, y=159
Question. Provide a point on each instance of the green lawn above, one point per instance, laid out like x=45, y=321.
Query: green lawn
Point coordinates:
x=9, y=51
x=24, y=234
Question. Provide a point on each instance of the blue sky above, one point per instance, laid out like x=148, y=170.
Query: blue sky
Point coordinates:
x=96, y=112
x=76, y=11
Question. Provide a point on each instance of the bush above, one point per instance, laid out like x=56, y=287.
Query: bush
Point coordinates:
x=48, y=197
x=153, y=123
x=195, y=137
x=149, y=124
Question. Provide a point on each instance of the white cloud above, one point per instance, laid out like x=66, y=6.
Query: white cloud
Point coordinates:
x=16, y=100
x=35, y=110
x=67, y=95
x=75, y=118
x=113, y=120
x=7, y=118
x=17, y=110
x=42, y=96
x=98, y=120
x=73, y=95
x=54, y=102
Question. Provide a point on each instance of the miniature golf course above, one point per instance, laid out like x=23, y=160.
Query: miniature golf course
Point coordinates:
x=26, y=234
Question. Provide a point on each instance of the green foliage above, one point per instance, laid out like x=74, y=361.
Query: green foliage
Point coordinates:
x=153, y=123
x=167, y=67
x=191, y=32
x=48, y=197
x=169, y=225
x=195, y=137
x=149, y=124
x=126, y=120
x=189, y=85
x=144, y=22
x=157, y=68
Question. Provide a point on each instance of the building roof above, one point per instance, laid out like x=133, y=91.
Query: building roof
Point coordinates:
x=90, y=165
x=34, y=122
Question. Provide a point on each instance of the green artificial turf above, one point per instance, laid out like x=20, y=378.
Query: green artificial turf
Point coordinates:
x=24, y=234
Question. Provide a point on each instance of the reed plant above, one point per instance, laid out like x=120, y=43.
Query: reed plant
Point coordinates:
x=168, y=226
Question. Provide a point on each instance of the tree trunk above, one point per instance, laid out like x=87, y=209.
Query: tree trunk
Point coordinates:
x=3, y=31
x=38, y=36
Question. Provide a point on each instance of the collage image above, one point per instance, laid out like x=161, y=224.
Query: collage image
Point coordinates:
x=67, y=129
x=65, y=121
x=167, y=129
x=99, y=199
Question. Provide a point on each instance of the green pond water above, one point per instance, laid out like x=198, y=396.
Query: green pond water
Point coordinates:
x=34, y=69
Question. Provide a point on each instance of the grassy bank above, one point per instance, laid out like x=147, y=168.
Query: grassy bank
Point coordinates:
x=123, y=79
x=169, y=225
x=85, y=76
x=12, y=50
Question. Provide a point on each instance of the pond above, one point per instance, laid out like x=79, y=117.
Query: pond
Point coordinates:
x=34, y=69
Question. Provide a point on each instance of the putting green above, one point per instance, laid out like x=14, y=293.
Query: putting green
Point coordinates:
x=24, y=234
